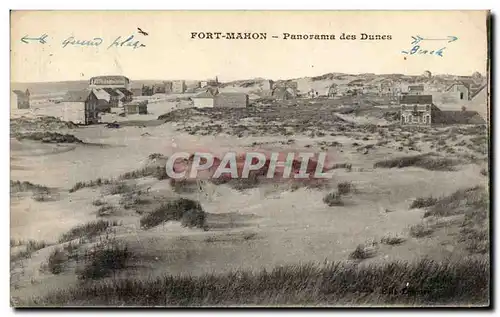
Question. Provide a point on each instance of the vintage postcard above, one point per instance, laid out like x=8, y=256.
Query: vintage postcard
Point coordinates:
x=250, y=158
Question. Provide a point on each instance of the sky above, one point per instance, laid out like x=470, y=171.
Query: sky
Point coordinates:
x=171, y=53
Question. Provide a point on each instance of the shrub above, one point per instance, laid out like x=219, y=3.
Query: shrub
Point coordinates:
x=173, y=210
x=484, y=172
x=344, y=188
x=56, y=261
x=104, y=260
x=95, y=183
x=18, y=186
x=427, y=161
x=98, y=202
x=333, y=199
x=105, y=210
x=42, y=197
x=392, y=240
x=474, y=199
x=88, y=230
x=363, y=252
x=31, y=247
x=420, y=231
x=194, y=218
x=119, y=188
x=422, y=202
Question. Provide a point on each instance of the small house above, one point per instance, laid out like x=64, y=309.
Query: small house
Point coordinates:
x=461, y=90
x=178, y=86
x=231, y=100
x=332, y=91
x=136, y=107
x=103, y=100
x=20, y=99
x=205, y=99
x=114, y=96
x=283, y=93
x=416, y=90
x=136, y=91
x=417, y=109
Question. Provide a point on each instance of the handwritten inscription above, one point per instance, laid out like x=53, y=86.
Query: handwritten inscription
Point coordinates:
x=96, y=41
x=129, y=42
x=418, y=49
x=71, y=41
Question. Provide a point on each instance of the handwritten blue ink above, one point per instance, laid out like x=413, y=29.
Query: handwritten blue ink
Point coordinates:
x=127, y=43
x=417, y=48
x=96, y=41
x=41, y=39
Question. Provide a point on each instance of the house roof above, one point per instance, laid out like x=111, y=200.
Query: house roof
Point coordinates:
x=125, y=91
x=76, y=95
x=20, y=93
x=111, y=77
x=111, y=92
x=477, y=91
x=101, y=94
x=416, y=87
x=416, y=99
x=462, y=117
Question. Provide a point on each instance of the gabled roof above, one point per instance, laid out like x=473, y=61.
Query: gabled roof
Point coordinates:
x=416, y=99
x=125, y=91
x=111, y=92
x=477, y=91
x=101, y=94
x=20, y=93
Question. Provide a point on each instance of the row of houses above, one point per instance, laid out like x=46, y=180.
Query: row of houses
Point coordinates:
x=177, y=87
x=420, y=110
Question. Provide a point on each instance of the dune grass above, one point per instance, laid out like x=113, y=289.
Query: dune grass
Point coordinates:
x=104, y=260
x=31, y=247
x=427, y=161
x=422, y=202
x=18, y=186
x=424, y=282
x=88, y=230
x=188, y=211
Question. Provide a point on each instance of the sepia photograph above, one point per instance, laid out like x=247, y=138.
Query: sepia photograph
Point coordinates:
x=250, y=159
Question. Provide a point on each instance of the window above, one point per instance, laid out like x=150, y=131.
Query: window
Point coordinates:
x=461, y=96
x=428, y=108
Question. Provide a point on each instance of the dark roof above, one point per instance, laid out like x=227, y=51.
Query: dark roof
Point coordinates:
x=76, y=95
x=125, y=91
x=416, y=87
x=111, y=92
x=19, y=93
x=476, y=92
x=416, y=99
x=111, y=77
x=461, y=117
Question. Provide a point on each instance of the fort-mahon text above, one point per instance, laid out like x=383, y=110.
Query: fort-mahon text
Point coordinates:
x=286, y=36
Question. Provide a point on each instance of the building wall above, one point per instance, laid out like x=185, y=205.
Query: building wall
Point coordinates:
x=203, y=102
x=416, y=114
x=231, y=101
x=178, y=86
x=461, y=92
